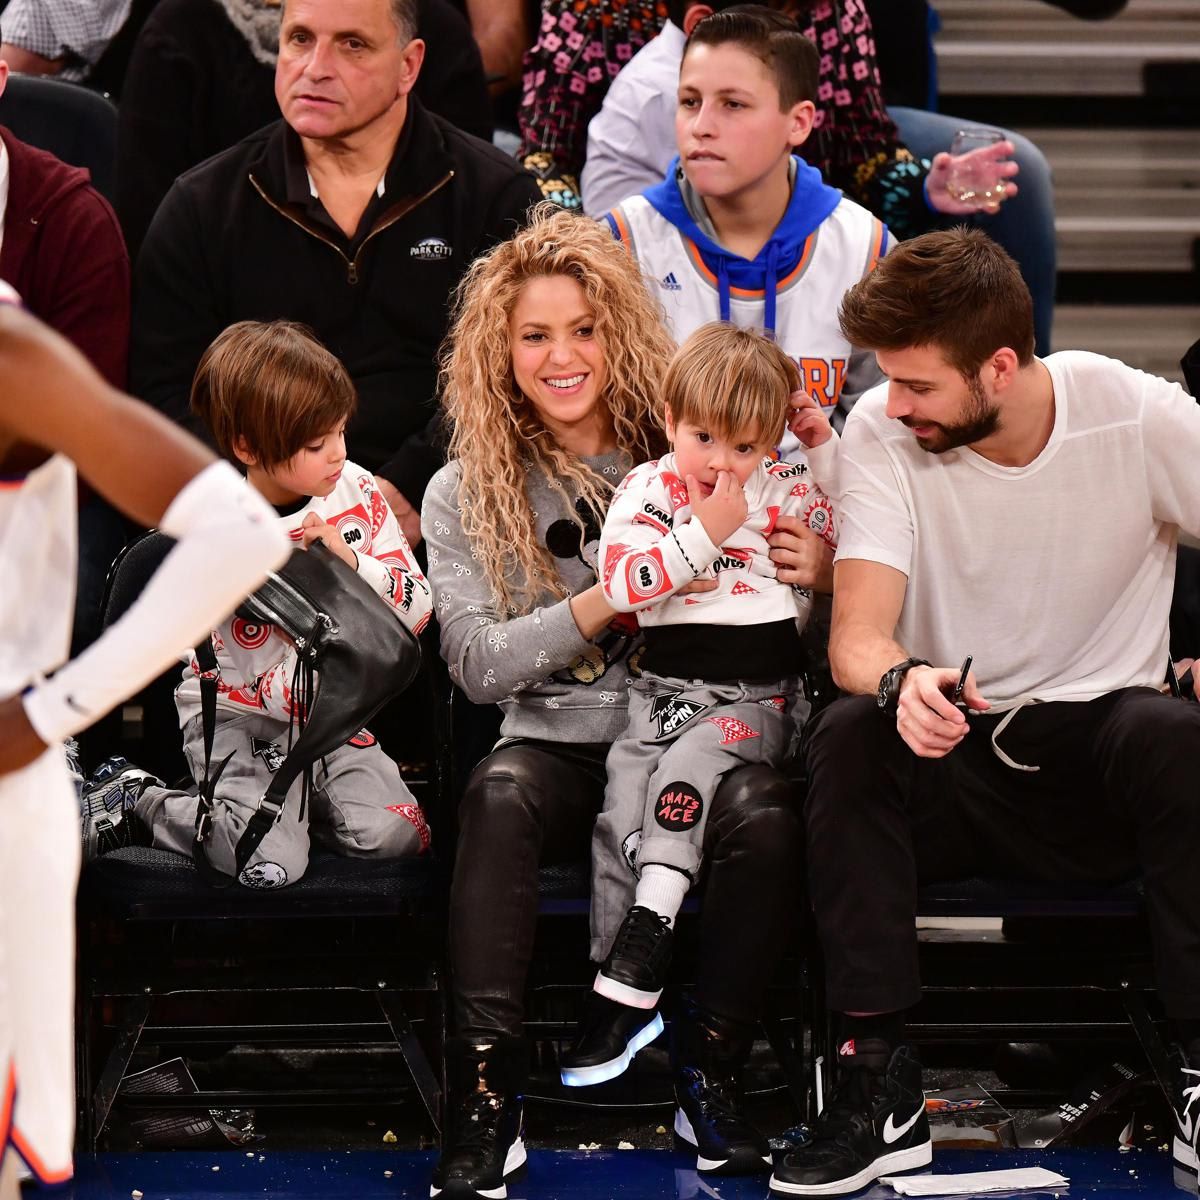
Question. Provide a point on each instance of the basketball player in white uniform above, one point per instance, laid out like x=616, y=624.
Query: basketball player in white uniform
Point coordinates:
x=57, y=414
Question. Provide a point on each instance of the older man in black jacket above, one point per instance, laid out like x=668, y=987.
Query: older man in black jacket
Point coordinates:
x=356, y=214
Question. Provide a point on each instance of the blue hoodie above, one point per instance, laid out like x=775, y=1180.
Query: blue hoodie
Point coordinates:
x=812, y=201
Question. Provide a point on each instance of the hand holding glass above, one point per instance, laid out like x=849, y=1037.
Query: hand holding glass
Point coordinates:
x=978, y=177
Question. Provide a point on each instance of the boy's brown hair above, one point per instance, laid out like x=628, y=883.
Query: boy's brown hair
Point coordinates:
x=774, y=39
x=732, y=382
x=955, y=290
x=273, y=385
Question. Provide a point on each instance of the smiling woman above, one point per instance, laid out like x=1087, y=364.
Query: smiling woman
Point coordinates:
x=558, y=361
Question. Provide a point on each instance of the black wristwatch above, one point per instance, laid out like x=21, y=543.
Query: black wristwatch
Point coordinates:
x=888, y=695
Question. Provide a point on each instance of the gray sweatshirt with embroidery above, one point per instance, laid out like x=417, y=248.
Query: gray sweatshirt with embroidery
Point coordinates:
x=552, y=683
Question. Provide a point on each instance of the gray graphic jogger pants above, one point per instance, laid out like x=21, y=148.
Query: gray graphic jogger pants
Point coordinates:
x=683, y=736
x=359, y=806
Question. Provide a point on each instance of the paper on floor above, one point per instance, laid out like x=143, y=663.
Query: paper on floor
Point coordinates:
x=972, y=1182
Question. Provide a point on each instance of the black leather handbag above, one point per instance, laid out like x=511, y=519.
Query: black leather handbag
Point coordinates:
x=353, y=656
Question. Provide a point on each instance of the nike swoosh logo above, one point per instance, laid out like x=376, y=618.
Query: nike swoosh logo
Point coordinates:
x=891, y=1133
x=1185, y=1126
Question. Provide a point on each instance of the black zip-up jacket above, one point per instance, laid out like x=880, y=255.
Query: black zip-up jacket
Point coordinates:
x=240, y=238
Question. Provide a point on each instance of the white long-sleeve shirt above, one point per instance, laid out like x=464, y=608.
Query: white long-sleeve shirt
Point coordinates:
x=651, y=547
x=256, y=662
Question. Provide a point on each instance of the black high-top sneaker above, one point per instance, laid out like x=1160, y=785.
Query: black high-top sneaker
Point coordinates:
x=873, y=1124
x=107, y=807
x=708, y=1057
x=482, y=1126
x=608, y=1037
x=1187, y=1105
x=636, y=966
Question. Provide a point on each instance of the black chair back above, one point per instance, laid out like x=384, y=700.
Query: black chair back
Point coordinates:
x=74, y=124
x=158, y=746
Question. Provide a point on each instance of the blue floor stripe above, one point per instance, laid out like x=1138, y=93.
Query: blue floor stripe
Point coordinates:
x=557, y=1175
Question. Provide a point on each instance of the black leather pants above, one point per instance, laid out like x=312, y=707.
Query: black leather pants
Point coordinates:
x=533, y=803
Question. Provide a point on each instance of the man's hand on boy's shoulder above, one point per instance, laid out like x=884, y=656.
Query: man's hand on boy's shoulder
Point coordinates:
x=807, y=421
x=313, y=529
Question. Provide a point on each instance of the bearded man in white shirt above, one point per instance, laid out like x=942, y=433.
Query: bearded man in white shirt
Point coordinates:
x=1024, y=512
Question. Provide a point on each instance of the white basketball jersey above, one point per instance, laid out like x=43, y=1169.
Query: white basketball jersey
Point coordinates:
x=838, y=253
x=37, y=547
x=39, y=837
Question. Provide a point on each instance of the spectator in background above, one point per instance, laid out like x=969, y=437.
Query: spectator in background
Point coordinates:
x=60, y=37
x=578, y=52
x=356, y=214
x=62, y=251
x=501, y=30
x=890, y=161
x=202, y=76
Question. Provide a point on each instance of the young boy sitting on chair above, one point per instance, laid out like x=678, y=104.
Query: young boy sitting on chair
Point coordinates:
x=277, y=402
x=720, y=683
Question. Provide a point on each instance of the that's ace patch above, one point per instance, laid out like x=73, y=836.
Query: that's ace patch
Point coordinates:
x=678, y=808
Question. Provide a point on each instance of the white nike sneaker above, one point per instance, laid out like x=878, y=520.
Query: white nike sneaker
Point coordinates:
x=874, y=1124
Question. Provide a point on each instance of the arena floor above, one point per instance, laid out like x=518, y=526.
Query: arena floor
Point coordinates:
x=555, y=1174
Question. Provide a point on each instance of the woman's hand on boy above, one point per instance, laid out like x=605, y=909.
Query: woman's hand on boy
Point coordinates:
x=407, y=517
x=807, y=421
x=723, y=511
x=802, y=558
x=313, y=529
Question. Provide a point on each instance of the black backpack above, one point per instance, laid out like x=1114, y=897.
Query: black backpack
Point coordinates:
x=360, y=655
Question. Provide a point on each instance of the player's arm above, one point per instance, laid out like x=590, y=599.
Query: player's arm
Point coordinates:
x=867, y=599
x=52, y=397
x=228, y=537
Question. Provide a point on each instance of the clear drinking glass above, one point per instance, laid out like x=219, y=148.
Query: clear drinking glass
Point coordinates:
x=976, y=180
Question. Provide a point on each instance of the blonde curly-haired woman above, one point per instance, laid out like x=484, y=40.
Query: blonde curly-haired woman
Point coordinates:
x=551, y=377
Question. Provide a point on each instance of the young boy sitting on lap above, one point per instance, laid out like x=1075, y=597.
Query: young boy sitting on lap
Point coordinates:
x=720, y=680
x=277, y=402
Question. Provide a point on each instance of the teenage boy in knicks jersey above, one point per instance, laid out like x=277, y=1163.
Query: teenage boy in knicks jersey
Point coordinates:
x=743, y=230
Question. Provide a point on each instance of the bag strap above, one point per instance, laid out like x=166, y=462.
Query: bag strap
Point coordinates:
x=270, y=806
x=209, y=673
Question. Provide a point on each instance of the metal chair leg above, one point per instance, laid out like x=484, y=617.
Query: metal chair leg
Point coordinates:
x=133, y=1017
x=414, y=1056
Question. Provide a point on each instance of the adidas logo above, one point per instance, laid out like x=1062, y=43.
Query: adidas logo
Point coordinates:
x=669, y=283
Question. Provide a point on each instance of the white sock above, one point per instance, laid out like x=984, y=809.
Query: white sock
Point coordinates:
x=662, y=890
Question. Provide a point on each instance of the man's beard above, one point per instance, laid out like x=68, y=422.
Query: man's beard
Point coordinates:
x=980, y=419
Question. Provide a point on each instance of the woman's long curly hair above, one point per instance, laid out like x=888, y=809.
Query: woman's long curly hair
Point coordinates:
x=497, y=433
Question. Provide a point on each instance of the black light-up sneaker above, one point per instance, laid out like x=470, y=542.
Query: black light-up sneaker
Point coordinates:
x=708, y=1057
x=482, y=1128
x=106, y=807
x=606, y=1041
x=1187, y=1106
x=636, y=967
x=874, y=1124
